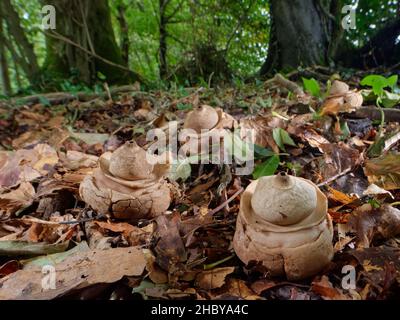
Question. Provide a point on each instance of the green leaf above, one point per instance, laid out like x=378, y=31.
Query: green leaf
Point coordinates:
x=101, y=76
x=282, y=138
x=389, y=100
x=44, y=101
x=261, y=152
x=55, y=258
x=378, y=83
x=345, y=129
x=312, y=86
x=392, y=81
x=23, y=248
x=267, y=168
x=184, y=106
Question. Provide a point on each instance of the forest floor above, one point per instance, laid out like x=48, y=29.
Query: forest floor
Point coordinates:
x=49, y=143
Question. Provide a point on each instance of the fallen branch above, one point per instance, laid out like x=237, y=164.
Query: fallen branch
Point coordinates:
x=63, y=97
x=331, y=179
x=373, y=113
x=285, y=83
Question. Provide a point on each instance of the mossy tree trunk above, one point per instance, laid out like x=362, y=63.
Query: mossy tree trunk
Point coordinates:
x=4, y=74
x=16, y=41
x=303, y=33
x=84, y=44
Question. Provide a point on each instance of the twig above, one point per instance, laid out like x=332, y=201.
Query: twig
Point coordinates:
x=222, y=205
x=373, y=113
x=285, y=83
x=340, y=174
x=58, y=36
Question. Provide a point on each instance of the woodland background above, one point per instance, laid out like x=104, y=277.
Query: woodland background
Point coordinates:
x=186, y=42
x=113, y=70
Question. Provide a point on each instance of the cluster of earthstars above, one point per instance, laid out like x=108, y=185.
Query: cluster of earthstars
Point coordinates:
x=282, y=222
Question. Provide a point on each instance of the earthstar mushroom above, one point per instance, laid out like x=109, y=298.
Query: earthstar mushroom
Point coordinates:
x=283, y=223
x=207, y=123
x=126, y=185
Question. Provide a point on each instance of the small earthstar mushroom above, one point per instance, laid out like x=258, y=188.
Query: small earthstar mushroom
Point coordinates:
x=207, y=123
x=126, y=185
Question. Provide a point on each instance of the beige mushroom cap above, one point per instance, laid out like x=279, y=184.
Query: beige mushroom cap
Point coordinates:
x=130, y=162
x=283, y=200
x=202, y=118
x=338, y=88
x=296, y=250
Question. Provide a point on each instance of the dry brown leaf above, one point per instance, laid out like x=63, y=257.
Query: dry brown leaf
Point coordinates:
x=156, y=274
x=370, y=223
x=74, y=160
x=170, y=249
x=212, y=279
x=9, y=267
x=381, y=266
x=261, y=130
x=340, y=197
x=236, y=289
x=337, y=158
x=26, y=165
x=77, y=271
x=384, y=171
x=325, y=289
x=134, y=235
x=16, y=200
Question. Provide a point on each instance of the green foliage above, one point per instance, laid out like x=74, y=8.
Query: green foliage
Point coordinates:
x=184, y=106
x=282, y=138
x=379, y=83
x=267, y=168
x=371, y=15
x=312, y=86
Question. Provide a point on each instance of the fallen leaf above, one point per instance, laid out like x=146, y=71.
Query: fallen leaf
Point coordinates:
x=337, y=158
x=212, y=279
x=74, y=160
x=26, y=165
x=384, y=171
x=381, y=265
x=22, y=248
x=371, y=223
x=9, y=267
x=15, y=200
x=77, y=271
x=170, y=249
x=325, y=289
x=340, y=197
x=374, y=190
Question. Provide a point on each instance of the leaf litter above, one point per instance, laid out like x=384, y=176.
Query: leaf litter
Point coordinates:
x=187, y=252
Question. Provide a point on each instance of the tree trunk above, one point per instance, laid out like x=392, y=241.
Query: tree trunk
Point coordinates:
x=124, y=29
x=301, y=33
x=84, y=44
x=4, y=75
x=25, y=48
x=163, y=39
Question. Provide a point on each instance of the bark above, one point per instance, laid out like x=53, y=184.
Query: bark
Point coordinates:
x=25, y=48
x=86, y=24
x=301, y=33
x=124, y=29
x=163, y=38
x=5, y=77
